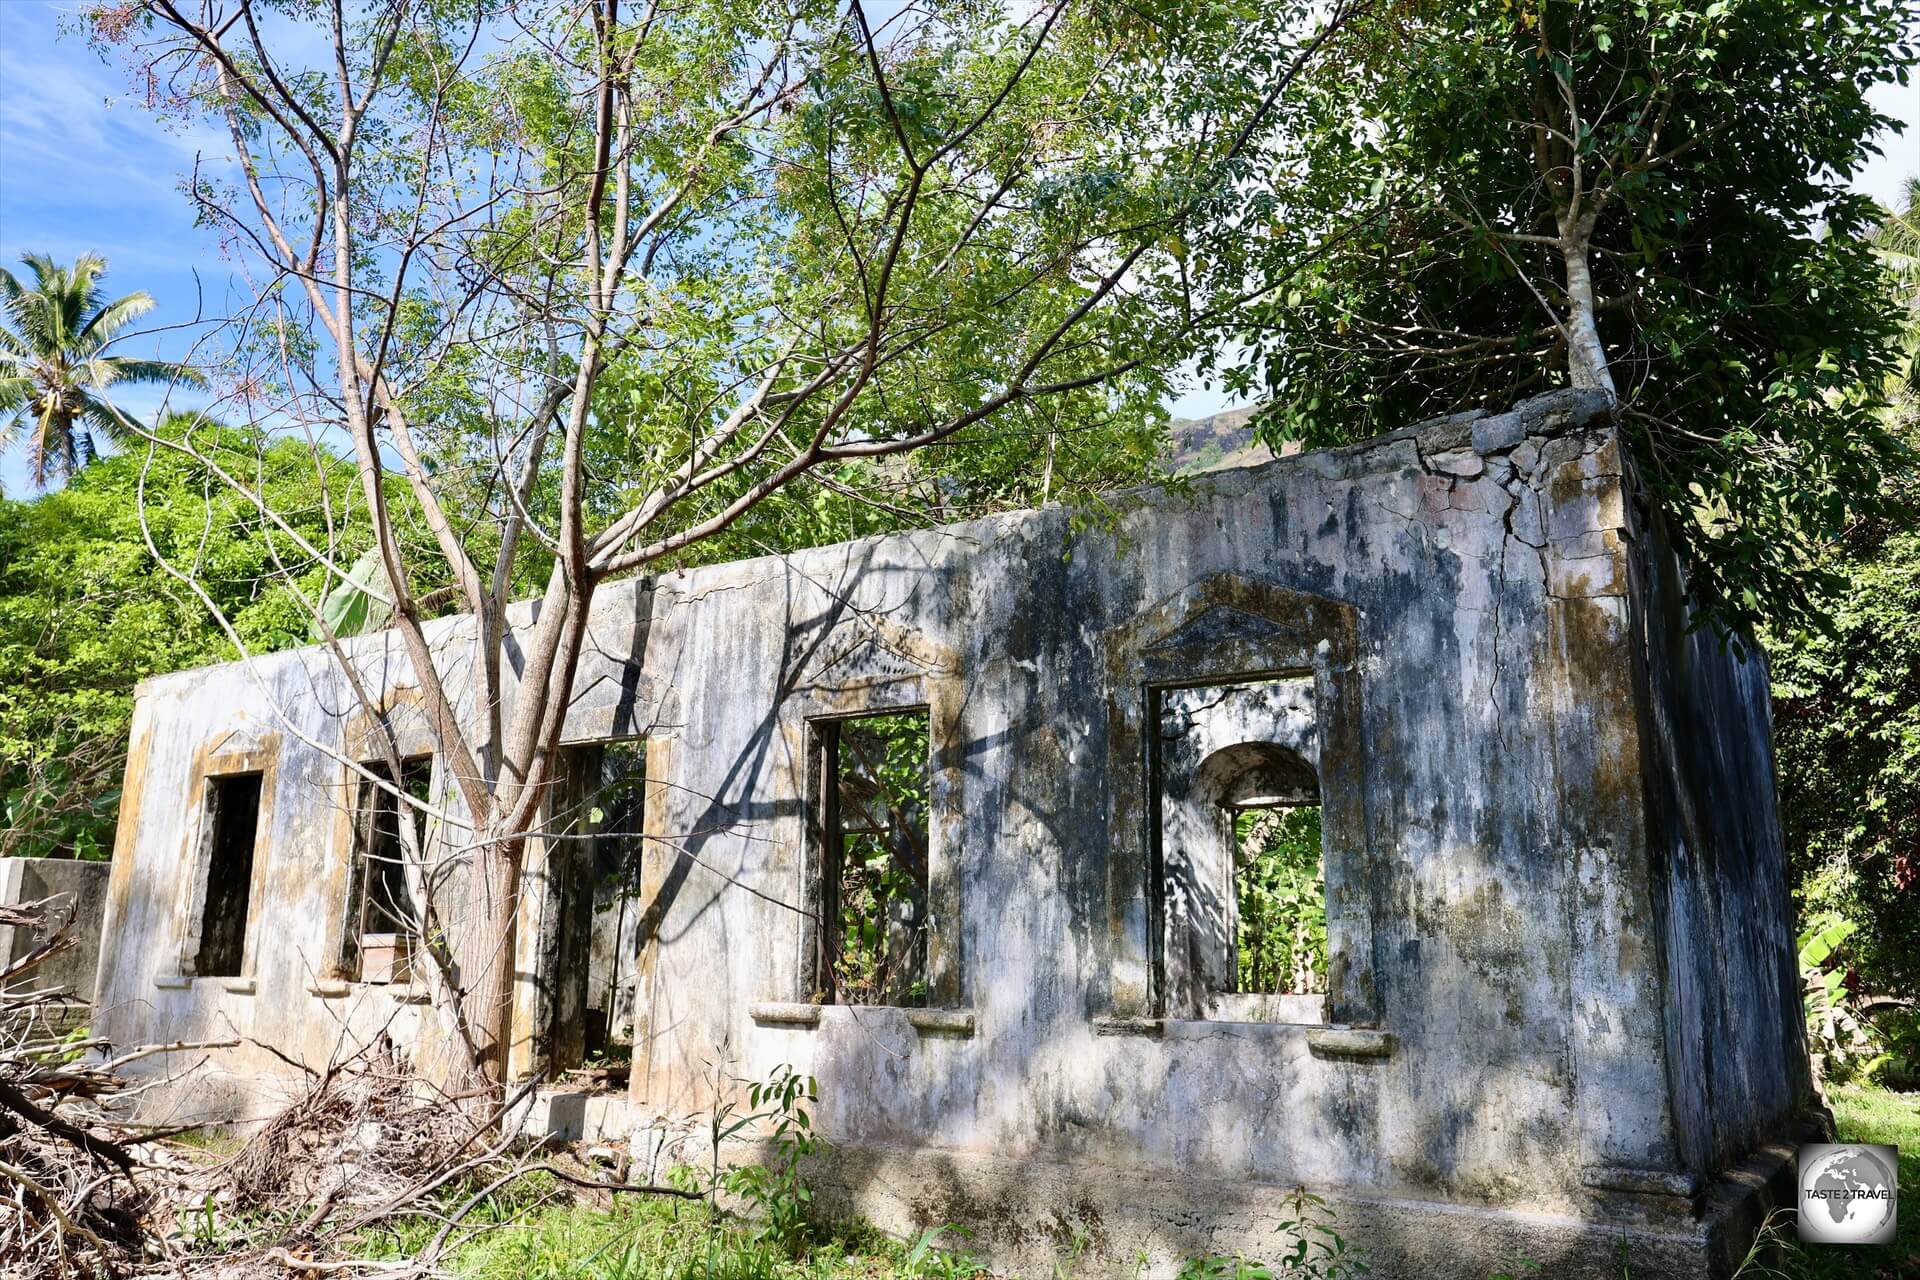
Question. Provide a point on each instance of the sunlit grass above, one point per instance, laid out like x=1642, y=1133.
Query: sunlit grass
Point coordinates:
x=522, y=1238
x=1864, y=1113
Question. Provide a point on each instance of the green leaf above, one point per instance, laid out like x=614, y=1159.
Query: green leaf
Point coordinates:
x=359, y=604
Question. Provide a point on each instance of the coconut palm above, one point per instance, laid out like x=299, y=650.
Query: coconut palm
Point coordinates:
x=1897, y=239
x=54, y=370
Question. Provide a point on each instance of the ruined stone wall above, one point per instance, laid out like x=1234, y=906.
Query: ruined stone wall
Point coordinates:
x=1735, y=1027
x=78, y=893
x=78, y=889
x=1508, y=930
x=288, y=717
x=1454, y=867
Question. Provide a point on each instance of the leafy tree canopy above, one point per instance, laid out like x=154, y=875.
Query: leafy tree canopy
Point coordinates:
x=86, y=612
x=863, y=232
x=1494, y=197
x=1847, y=697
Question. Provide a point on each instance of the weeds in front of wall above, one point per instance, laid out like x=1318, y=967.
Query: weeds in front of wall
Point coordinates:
x=1316, y=1250
x=1069, y=1254
x=927, y=1260
x=782, y=1202
x=1773, y=1241
x=538, y=1227
x=508, y=1212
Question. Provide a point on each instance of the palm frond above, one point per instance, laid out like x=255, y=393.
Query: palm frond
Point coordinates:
x=63, y=297
x=106, y=419
x=111, y=319
x=152, y=371
x=50, y=449
x=81, y=297
x=53, y=354
x=1897, y=237
x=45, y=269
x=30, y=312
x=42, y=310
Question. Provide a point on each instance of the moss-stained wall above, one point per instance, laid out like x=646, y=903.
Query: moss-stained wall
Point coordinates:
x=1542, y=932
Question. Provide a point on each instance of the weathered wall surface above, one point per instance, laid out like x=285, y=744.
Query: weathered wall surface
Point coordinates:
x=288, y=717
x=80, y=888
x=1733, y=1004
x=1503, y=1061
x=1454, y=868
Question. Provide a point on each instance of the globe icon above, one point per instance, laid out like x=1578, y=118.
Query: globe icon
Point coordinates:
x=1846, y=1194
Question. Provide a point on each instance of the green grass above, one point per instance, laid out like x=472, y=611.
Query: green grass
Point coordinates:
x=528, y=1237
x=215, y=1142
x=533, y=1232
x=1864, y=1113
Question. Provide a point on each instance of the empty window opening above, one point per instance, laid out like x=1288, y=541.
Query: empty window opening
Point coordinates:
x=593, y=928
x=873, y=821
x=1242, y=883
x=384, y=918
x=616, y=813
x=1280, y=901
x=233, y=820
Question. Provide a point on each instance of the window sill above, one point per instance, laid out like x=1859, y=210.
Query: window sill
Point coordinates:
x=184, y=982
x=1350, y=1042
x=1109, y=1024
x=1322, y=1039
x=953, y=1022
x=1190, y=1028
x=401, y=992
x=780, y=1014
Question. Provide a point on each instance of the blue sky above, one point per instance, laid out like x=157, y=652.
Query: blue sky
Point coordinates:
x=84, y=166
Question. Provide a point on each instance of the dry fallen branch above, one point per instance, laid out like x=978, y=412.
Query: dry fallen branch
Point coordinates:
x=75, y=1208
x=597, y=1184
x=86, y=1190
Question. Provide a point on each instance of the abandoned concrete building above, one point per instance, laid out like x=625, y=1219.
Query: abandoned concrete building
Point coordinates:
x=975, y=825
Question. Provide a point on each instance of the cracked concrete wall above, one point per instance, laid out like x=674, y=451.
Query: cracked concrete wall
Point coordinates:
x=1525, y=977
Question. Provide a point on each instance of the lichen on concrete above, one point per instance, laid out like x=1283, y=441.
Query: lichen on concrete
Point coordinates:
x=1560, y=1010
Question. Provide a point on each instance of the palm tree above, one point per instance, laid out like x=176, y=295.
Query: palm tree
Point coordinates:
x=1897, y=239
x=54, y=370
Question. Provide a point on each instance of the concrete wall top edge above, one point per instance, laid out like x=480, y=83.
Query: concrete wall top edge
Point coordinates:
x=1554, y=413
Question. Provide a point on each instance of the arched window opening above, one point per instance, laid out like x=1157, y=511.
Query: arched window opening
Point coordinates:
x=1244, y=903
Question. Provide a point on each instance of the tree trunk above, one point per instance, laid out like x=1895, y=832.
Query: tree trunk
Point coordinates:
x=481, y=940
x=1586, y=354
